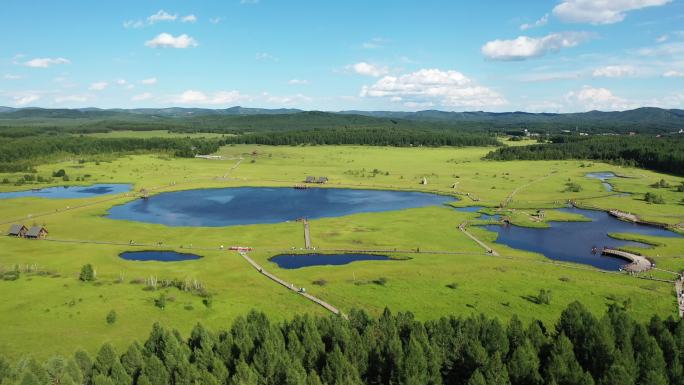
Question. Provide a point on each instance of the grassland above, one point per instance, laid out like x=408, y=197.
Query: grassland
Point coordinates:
x=55, y=305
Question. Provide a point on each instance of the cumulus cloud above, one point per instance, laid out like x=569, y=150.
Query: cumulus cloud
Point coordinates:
x=614, y=71
x=149, y=81
x=539, y=23
x=132, y=24
x=674, y=74
x=285, y=100
x=189, y=18
x=46, y=62
x=166, y=40
x=194, y=97
x=141, y=97
x=22, y=100
x=295, y=82
x=71, y=98
x=368, y=69
x=98, y=86
x=11, y=77
x=433, y=87
x=590, y=98
x=524, y=47
x=161, y=15
x=215, y=20
x=600, y=12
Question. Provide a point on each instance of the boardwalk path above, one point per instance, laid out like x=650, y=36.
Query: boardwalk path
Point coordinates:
x=680, y=298
x=307, y=235
x=638, y=264
x=291, y=286
x=463, y=226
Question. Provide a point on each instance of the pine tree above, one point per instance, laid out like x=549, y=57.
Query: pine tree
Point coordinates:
x=132, y=360
x=244, y=375
x=119, y=375
x=523, y=367
x=105, y=359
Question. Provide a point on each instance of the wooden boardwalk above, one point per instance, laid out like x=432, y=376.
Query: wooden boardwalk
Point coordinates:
x=291, y=286
x=638, y=263
x=491, y=251
x=307, y=235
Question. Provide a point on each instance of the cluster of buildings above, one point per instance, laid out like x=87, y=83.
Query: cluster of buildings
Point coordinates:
x=21, y=231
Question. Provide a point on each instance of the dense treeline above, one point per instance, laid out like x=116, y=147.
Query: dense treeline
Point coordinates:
x=20, y=154
x=393, y=349
x=368, y=136
x=664, y=154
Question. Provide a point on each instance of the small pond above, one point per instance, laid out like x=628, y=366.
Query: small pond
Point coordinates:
x=573, y=241
x=69, y=192
x=603, y=177
x=157, y=255
x=296, y=261
x=253, y=205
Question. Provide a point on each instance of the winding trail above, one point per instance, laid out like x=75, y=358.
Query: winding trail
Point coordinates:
x=491, y=251
x=291, y=286
x=510, y=196
x=307, y=235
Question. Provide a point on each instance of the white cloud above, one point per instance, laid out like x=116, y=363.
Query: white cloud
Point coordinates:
x=215, y=20
x=71, y=98
x=98, y=86
x=194, y=97
x=189, y=18
x=674, y=74
x=166, y=40
x=436, y=87
x=374, y=43
x=149, y=81
x=667, y=49
x=121, y=82
x=600, y=11
x=46, y=62
x=614, y=71
x=590, y=98
x=132, y=24
x=286, y=100
x=22, y=100
x=524, y=47
x=265, y=56
x=539, y=23
x=662, y=38
x=368, y=69
x=141, y=97
x=11, y=77
x=295, y=82
x=161, y=15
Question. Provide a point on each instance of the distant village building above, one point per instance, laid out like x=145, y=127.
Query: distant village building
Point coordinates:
x=17, y=231
x=319, y=180
x=310, y=179
x=424, y=181
x=37, y=232
x=322, y=180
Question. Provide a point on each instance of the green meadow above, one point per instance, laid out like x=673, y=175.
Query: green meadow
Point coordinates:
x=49, y=303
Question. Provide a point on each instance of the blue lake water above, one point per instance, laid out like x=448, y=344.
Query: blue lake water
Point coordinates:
x=296, y=261
x=254, y=205
x=69, y=192
x=603, y=177
x=156, y=255
x=573, y=241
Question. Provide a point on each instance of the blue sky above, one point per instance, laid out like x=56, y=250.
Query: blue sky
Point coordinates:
x=552, y=56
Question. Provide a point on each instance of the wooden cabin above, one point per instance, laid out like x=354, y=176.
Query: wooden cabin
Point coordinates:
x=322, y=180
x=17, y=231
x=310, y=179
x=37, y=232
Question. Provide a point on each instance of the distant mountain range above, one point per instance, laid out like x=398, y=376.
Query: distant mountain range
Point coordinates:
x=646, y=119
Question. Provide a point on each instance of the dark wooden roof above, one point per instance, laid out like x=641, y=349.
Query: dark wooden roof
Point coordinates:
x=310, y=179
x=16, y=229
x=34, y=231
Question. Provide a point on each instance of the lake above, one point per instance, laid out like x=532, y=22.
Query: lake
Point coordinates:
x=157, y=255
x=69, y=192
x=297, y=261
x=255, y=205
x=573, y=241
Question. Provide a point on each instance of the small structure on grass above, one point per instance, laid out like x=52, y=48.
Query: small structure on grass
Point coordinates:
x=322, y=180
x=17, y=231
x=310, y=179
x=37, y=232
x=424, y=181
